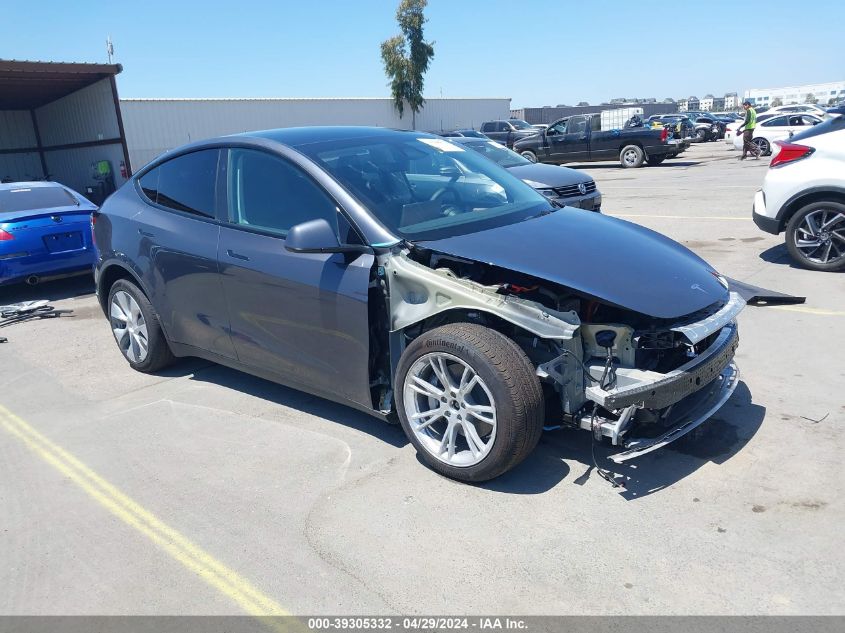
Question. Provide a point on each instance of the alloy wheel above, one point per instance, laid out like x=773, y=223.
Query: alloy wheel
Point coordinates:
x=630, y=157
x=129, y=327
x=450, y=409
x=820, y=237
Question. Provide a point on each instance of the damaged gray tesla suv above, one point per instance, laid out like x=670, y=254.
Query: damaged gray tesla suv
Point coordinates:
x=411, y=278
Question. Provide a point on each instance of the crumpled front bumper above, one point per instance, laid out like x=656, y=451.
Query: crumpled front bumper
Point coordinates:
x=685, y=415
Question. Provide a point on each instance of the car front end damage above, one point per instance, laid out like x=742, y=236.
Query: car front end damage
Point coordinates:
x=635, y=382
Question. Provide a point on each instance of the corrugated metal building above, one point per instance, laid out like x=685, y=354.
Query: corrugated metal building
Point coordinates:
x=156, y=125
x=548, y=115
x=57, y=119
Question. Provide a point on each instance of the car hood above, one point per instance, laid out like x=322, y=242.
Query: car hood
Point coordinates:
x=605, y=258
x=540, y=175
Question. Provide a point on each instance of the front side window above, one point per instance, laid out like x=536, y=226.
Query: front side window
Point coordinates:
x=269, y=193
x=576, y=125
x=185, y=183
x=488, y=127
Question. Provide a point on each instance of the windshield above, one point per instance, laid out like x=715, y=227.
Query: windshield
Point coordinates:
x=423, y=188
x=31, y=198
x=519, y=124
x=498, y=153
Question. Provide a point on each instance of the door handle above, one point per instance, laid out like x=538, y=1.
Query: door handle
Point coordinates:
x=235, y=255
x=146, y=233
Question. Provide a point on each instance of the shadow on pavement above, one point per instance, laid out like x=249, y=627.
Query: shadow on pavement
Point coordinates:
x=716, y=441
x=66, y=288
x=203, y=371
x=778, y=255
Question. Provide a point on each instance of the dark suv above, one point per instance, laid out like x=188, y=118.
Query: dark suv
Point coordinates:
x=506, y=132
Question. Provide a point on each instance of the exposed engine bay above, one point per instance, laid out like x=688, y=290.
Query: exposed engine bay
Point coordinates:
x=636, y=380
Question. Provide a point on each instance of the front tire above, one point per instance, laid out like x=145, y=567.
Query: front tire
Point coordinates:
x=528, y=154
x=469, y=401
x=815, y=236
x=763, y=145
x=632, y=156
x=136, y=328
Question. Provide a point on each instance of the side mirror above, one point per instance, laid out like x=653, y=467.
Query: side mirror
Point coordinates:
x=550, y=131
x=317, y=236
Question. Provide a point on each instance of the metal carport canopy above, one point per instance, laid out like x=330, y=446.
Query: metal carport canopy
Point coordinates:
x=28, y=85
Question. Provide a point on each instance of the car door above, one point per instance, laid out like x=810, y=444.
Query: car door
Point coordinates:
x=495, y=130
x=800, y=122
x=773, y=129
x=301, y=316
x=178, y=233
x=570, y=143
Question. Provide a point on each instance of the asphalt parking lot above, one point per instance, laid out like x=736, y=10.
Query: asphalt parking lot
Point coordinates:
x=205, y=491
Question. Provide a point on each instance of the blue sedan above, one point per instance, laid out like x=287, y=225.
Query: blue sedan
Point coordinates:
x=45, y=232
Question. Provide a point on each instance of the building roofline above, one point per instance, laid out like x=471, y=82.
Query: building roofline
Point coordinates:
x=180, y=99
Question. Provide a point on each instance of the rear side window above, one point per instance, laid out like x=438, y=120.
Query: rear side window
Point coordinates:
x=269, y=193
x=185, y=183
x=778, y=121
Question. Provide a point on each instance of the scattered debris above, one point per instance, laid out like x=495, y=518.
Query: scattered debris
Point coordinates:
x=27, y=311
x=816, y=421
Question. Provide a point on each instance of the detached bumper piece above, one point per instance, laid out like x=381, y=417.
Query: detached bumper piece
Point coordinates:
x=685, y=415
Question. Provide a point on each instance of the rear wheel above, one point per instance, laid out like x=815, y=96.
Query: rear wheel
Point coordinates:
x=763, y=145
x=631, y=156
x=469, y=401
x=136, y=328
x=815, y=236
x=529, y=155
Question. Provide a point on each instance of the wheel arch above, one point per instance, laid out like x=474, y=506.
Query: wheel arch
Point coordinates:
x=111, y=273
x=808, y=196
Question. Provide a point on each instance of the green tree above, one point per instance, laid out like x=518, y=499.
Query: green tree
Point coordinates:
x=406, y=58
x=810, y=98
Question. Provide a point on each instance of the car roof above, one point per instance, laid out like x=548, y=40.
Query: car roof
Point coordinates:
x=296, y=136
x=30, y=184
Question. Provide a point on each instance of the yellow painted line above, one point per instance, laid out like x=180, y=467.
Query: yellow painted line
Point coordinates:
x=807, y=310
x=181, y=549
x=678, y=217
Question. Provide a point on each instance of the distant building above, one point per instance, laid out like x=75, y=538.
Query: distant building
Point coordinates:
x=822, y=94
x=731, y=101
x=668, y=100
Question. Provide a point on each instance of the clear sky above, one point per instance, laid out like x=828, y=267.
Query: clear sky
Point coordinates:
x=538, y=52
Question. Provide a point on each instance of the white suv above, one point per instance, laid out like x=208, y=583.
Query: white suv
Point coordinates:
x=803, y=195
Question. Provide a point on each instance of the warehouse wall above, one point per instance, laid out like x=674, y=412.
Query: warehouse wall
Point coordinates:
x=549, y=115
x=84, y=115
x=153, y=126
x=16, y=131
